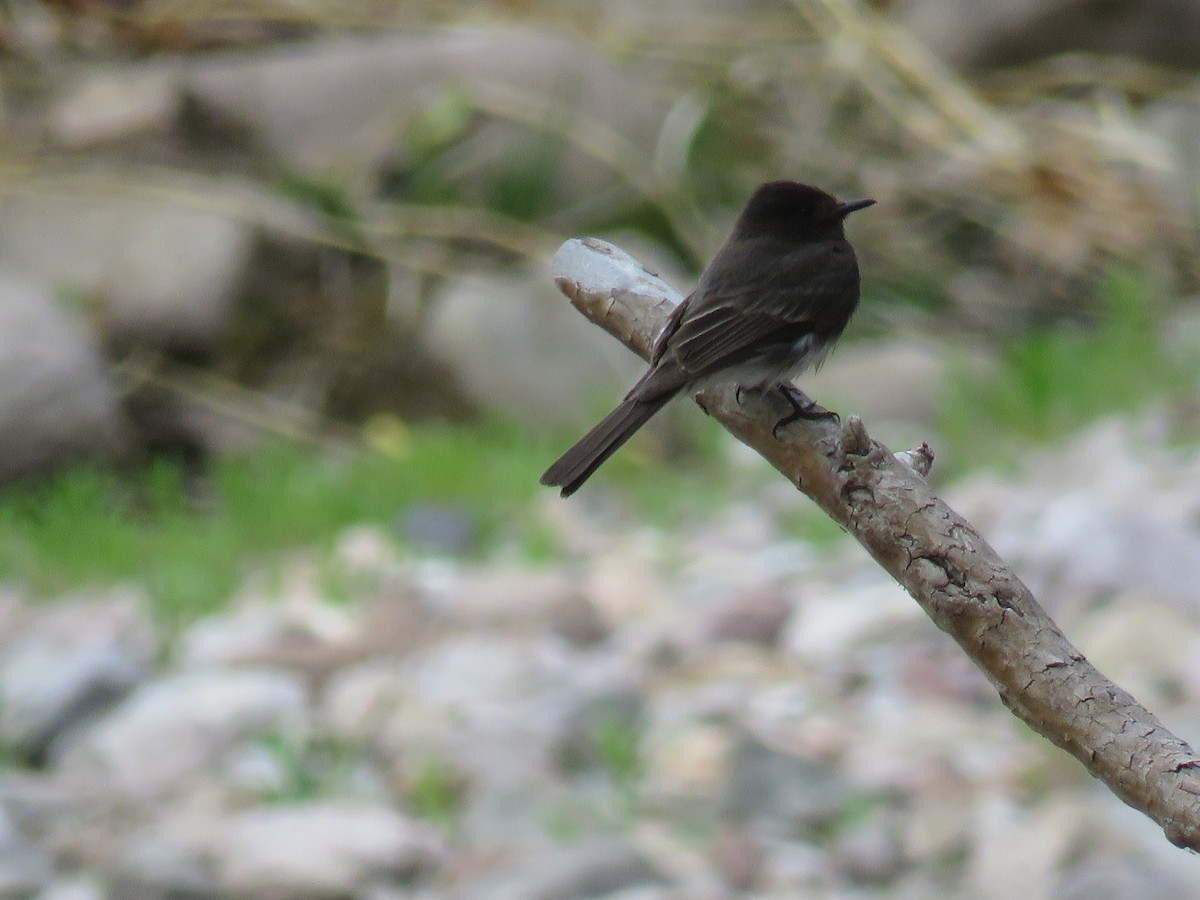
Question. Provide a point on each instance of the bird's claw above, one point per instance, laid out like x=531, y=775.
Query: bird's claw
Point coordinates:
x=803, y=409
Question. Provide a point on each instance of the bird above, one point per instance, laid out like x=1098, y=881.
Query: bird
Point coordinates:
x=771, y=304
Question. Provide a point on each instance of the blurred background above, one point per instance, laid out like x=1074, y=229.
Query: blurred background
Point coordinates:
x=283, y=610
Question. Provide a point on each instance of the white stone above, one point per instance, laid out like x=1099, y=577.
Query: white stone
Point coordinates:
x=172, y=729
x=318, y=849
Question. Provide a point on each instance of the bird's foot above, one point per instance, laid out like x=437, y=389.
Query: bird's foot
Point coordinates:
x=803, y=409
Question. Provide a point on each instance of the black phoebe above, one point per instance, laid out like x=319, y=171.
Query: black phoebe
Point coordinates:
x=771, y=304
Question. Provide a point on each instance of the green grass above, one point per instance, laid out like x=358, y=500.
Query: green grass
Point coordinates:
x=436, y=792
x=1055, y=379
x=89, y=526
x=308, y=767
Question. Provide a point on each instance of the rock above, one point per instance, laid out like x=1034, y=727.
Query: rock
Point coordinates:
x=687, y=765
x=34, y=801
x=797, y=869
x=1012, y=32
x=833, y=620
x=488, y=715
x=366, y=550
x=1108, y=512
x=57, y=405
x=485, y=705
x=502, y=334
x=443, y=704
x=77, y=888
x=1146, y=647
x=24, y=869
x=318, y=104
x=890, y=383
x=751, y=618
x=597, y=868
x=871, y=851
x=302, y=631
x=14, y=615
x=170, y=730
x=1103, y=879
x=70, y=662
x=115, y=103
x=320, y=850
x=739, y=858
x=577, y=620
x=153, y=866
x=602, y=726
x=780, y=789
x=440, y=529
x=162, y=274
x=1039, y=838
x=498, y=595
x=1081, y=547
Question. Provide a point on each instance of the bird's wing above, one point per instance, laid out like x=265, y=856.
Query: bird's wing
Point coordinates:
x=731, y=320
x=669, y=328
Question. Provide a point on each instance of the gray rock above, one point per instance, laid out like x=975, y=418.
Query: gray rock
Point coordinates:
x=884, y=381
x=440, y=529
x=577, y=620
x=320, y=849
x=493, y=714
x=1081, y=546
x=34, y=801
x=798, y=869
x=70, y=662
x=156, y=867
x=24, y=869
x=1109, y=512
x=301, y=632
x=739, y=859
x=598, y=868
x=1102, y=879
x=597, y=720
x=321, y=104
x=871, y=851
x=162, y=274
x=756, y=618
x=1042, y=837
x=76, y=888
x=502, y=334
x=498, y=595
x=56, y=402
x=481, y=704
x=169, y=731
x=782, y=790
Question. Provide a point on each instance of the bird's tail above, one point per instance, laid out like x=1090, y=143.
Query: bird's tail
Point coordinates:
x=575, y=466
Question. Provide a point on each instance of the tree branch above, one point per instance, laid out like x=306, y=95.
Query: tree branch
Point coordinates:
x=937, y=556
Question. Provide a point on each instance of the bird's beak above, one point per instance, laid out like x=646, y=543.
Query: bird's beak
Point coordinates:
x=848, y=206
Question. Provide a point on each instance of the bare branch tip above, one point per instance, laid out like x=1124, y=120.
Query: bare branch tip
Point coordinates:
x=855, y=440
x=594, y=243
x=920, y=460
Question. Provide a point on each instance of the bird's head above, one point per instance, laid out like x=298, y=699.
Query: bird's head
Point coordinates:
x=792, y=210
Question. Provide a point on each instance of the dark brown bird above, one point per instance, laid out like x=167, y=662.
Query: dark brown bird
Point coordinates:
x=771, y=304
